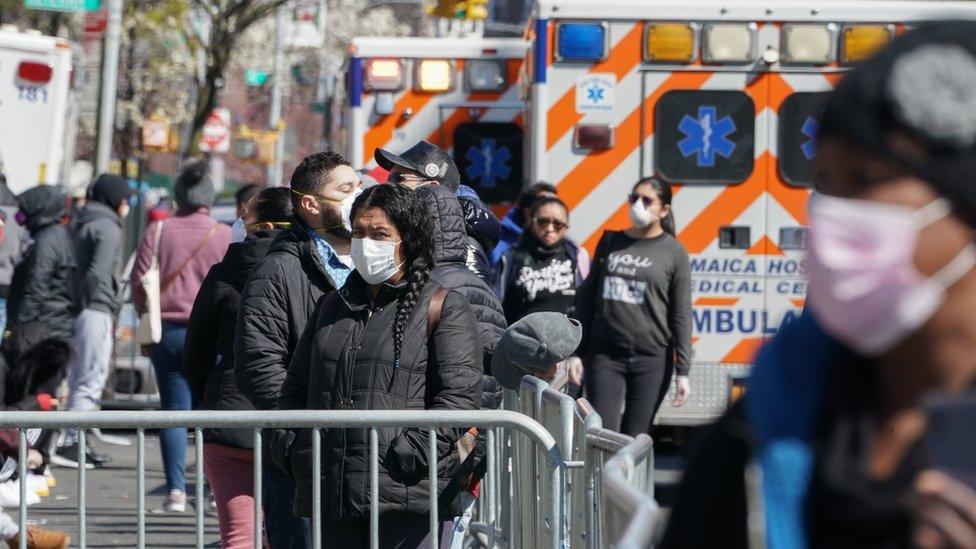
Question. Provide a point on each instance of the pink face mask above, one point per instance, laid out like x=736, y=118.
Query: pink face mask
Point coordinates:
x=864, y=287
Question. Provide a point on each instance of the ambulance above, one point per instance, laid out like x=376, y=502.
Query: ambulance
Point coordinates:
x=462, y=94
x=722, y=100
x=38, y=107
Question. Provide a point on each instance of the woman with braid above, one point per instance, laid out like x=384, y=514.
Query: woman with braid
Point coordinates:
x=389, y=339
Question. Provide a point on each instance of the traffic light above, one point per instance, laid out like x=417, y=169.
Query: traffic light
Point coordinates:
x=476, y=9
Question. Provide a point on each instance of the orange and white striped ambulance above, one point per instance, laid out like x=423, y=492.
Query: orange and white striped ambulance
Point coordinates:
x=462, y=94
x=721, y=99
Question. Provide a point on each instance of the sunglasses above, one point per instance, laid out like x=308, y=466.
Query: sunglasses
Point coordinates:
x=634, y=197
x=543, y=222
x=401, y=178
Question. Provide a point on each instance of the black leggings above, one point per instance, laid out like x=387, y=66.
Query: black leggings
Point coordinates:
x=637, y=384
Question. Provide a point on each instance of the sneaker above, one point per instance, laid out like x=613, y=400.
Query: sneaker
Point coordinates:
x=10, y=494
x=175, y=502
x=38, y=485
x=39, y=538
x=67, y=456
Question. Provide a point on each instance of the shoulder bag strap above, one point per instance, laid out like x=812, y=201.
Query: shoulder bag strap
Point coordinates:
x=155, y=256
x=172, y=278
x=434, y=310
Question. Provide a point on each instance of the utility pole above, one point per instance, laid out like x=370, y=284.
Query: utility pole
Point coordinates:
x=110, y=72
x=277, y=90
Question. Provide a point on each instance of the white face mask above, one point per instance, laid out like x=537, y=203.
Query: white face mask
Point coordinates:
x=237, y=231
x=345, y=208
x=374, y=259
x=640, y=216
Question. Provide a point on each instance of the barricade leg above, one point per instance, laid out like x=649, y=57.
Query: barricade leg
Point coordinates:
x=374, y=489
x=82, y=473
x=258, y=477
x=316, y=488
x=198, y=447
x=432, y=468
x=141, y=488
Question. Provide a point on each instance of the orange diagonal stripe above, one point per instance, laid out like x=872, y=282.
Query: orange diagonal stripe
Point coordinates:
x=623, y=57
x=716, y=301
x=744, y=352
x=380, y=134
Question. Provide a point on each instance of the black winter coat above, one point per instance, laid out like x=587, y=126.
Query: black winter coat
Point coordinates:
x=345, y=361
x=41, y=300
x=208, y=357
x=483, y=230
x=279, y=298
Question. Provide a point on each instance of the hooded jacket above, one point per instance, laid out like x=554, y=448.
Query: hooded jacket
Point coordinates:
x=509, y=234
x=208, y=358
x=344, y=361
x=42, y=288
x=483, y=233
x=11, y=245
x=279, y=298
x=98, y=251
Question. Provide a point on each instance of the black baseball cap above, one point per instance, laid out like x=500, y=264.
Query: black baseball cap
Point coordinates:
x=425, y=158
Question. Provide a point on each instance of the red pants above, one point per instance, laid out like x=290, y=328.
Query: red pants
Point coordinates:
x=230, y=472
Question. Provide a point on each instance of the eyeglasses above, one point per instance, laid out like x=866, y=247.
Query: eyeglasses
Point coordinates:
x=543, y=222
x=634, y=197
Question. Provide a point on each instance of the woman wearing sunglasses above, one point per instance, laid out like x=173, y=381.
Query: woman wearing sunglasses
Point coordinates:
x=544, y=269
x=636, y=312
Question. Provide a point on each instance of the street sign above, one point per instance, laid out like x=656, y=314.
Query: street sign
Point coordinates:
x=155, y=134
x=216, y=132
x=63, y=5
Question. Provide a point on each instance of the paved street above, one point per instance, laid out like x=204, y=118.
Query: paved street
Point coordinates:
x=112, y=503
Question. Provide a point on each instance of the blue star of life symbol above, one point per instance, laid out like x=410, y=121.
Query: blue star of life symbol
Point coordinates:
x=595, y=94
x=488, y=163
x=706, y=136
x=809, y=129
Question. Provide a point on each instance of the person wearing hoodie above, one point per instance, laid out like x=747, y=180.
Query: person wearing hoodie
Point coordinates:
x=41, y=296
x=208, y=364
x=305, y=262
x=10, y=245
x=98, y=252
x=513, y=224
x=190, y=243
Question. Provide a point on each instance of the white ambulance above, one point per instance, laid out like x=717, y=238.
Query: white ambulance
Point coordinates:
x=38, y=108
x=721, y=99
x=462, y=94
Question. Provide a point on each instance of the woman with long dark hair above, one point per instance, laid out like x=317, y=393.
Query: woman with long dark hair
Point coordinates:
x=636, y=312
x=369, y=347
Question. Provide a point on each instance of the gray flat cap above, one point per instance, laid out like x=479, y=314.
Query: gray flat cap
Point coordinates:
x=534, y=345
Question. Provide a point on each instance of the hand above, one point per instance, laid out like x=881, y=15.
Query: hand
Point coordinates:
x=144, y=350
x=575, y=368
x=945, y=512
x=682, y=390
x=34, y=459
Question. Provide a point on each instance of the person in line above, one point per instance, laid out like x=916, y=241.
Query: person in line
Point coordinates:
x=98, y=252
x=636, y=312
x=37, y=537
x=543, y=271
x=42, y=291
x=242, y=198
x=834, y=420
x=372, y=346
x=11, y=246
x=305, y=262
x=208, y=365
x=190, y=243
x=513, y=224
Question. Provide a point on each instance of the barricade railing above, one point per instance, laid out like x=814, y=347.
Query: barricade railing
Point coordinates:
x=547, y=516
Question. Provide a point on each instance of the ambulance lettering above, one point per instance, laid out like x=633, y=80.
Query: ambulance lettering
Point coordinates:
x=739, y=321
x=777, y=266
x=725, y=287
x=705, y=265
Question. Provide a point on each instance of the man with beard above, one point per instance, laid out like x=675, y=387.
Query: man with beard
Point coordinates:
x=304, y=263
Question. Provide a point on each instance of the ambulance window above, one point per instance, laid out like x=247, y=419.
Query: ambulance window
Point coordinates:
x=798, y=122
x=704, y=136
x=489, y=157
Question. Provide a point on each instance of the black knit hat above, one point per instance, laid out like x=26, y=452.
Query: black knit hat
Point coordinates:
x=194, y=188
x=915, y=104
x=110, y=190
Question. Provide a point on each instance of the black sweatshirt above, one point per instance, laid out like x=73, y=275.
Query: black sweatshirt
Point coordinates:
x=637, y=299
x=537, y=278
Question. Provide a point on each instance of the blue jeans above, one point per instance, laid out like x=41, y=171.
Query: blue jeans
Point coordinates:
x=284, y=529
x=3, y=315
x=174, y=394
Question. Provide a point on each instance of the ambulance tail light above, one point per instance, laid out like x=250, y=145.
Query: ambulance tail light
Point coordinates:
x=384, y=75
x=861, y=41
x=485, y=75
x=670, y=42
x=729, y=43
x=434, y=75
x=595, y=137
x=806, y=44
x=581, y=42
x=34, y=73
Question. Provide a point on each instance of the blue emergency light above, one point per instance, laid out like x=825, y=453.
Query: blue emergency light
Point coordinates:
x=581, y=41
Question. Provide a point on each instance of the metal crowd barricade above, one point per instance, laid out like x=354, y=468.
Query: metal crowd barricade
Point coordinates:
x=628, y=509
x=514, y=427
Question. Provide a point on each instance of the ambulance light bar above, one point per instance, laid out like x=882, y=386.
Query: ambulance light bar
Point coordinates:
x=34, y=73
x=384, y=75
x=434, y=75
x=861, y=41
x=808, y=44
x=595, y=137
x=581, y=41
x=482, y=75
x=729, y=42
x=670, y=42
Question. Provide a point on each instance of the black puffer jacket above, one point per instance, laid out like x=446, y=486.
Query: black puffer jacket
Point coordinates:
x=41, y=297
x=278, y=299
x=450, y=255
x=345, y=361
x=210, y=336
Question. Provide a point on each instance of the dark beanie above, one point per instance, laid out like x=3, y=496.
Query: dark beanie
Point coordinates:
x=110, y=190
x=194, y=188
x=915, y=104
